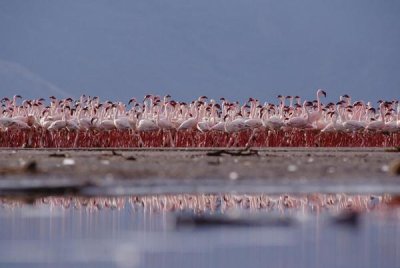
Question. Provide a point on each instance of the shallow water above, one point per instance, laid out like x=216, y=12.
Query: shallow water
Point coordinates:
x=142, y=231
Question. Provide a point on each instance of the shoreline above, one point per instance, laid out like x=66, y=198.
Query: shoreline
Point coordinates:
x=140, y=171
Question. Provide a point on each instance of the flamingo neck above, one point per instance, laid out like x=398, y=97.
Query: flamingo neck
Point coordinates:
x=306, y=113
x=291, y=103
x=115, y=115
x=319, y=102
x=334, y=120
x=382, y=113
x=341, y=114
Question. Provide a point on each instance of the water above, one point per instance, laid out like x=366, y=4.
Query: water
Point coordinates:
x=142, y=232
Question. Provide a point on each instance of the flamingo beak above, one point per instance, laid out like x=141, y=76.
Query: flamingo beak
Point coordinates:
x=324, y=93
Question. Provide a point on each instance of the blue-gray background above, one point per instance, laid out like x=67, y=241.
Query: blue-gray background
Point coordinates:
x=230, y=48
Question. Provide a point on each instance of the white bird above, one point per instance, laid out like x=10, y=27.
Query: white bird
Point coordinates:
x=302, y=121
x=377, y=125
x=317, y=115
x=145, y=125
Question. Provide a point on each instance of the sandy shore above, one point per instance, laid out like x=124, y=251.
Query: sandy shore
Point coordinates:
x=27, y=168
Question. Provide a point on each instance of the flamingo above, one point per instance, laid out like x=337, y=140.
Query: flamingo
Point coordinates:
x=303, y=121
x=234, y=126
x=315, y=116
x=349, y=124
x=165, y=123
x=121, y=123
x=274, y=122
x=146, y=125
x=378, y=125
x=57, y=125
x=224, y=119
x=106, y=124
x=191, y=122
x=333, y=126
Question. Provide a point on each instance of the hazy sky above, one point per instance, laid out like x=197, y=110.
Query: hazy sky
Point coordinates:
x=232, y=48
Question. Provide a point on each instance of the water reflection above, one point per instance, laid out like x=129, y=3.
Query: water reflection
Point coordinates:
x=141, y=231
x=215, y=202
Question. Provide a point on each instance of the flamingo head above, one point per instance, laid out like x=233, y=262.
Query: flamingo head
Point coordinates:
x=93, y=120
x=331, y=104
x=388, y=104
x=388, y=114
x=308, y=104
x=346, y=96
x=334, y=114
x=147, y=97
x=372, y=110
x=203, y=98
x=315, y=103
x=349, y=109
x=340, y=103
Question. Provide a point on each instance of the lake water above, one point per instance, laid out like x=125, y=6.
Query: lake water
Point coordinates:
x=313, y=230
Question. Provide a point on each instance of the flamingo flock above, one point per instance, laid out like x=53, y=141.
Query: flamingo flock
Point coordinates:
x=163, y=122
x=202, y=203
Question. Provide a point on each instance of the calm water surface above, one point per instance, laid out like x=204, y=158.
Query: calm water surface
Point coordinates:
x=142, y=232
